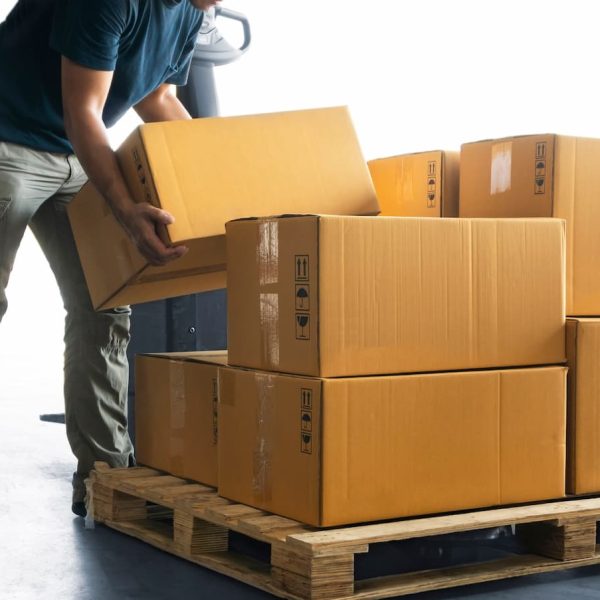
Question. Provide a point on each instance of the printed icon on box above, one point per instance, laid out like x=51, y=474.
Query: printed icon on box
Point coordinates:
x=540, y=185
x=306, y=399
x=302, y=297
x=306, y=420
x=540, y=168
x=431, y=167
x=302, y=267
x=302, y=327
x=306, y=443
x=430, y=200
x=540, y=150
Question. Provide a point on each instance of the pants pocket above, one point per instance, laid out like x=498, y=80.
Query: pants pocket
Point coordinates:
x=4, y=204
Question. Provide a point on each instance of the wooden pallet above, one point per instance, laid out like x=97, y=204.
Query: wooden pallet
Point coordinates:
x=193, y=522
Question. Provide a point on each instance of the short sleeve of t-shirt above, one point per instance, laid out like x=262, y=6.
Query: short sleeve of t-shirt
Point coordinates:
x=183, y=66
x=88, y=32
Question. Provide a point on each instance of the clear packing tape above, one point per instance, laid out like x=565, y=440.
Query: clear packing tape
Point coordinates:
x=262, y=455
x=267, y=257
x=177, y=415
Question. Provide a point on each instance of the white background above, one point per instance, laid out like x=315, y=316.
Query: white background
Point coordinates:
x=416, y=75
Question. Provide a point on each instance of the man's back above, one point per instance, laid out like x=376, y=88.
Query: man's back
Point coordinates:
x=145, y=43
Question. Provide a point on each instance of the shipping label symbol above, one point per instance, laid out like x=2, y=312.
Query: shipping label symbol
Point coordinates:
x=306, y=420
x=302, y=267
x=540, y=185
x=431, y=167
x=306, y=399
x=540, y=150
x=302, y=297
x=540, y=168
x=431, y=183
x=306, y=443
x=302, y=326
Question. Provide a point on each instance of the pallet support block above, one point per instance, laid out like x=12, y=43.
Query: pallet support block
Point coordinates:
x=196, y=536
x=313, y=577
x=572, y=540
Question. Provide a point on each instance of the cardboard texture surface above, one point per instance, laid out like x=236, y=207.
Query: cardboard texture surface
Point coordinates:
x=583, y=433
x=424, y=184
x=340, y=451
x=206, y=172
x=342, y=296
x=176, y=408
x=542, y=176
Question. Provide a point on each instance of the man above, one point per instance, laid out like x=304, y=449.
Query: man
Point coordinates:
x=68, y=70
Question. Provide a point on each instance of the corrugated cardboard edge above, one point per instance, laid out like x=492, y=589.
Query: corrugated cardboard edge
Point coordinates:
x=563, y=205
x=450, y=183
x=572, y=328
x=169, y=185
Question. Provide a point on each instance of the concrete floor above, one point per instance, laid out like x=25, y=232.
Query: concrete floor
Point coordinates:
x=46, y=552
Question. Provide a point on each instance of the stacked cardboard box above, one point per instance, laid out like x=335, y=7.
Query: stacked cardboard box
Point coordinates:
x=424, y=184
x=176, y=408
x=542, y=176
x=334, y=413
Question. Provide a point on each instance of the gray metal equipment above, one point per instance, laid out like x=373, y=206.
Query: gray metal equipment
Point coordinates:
x=212, y=50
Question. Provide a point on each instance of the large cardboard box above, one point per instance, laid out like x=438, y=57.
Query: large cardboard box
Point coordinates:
x=341, y=296
x=583, y=424
x=176, y=408
x=339, y=451
x=424, y=184
x=206, y=172
x=542, y=176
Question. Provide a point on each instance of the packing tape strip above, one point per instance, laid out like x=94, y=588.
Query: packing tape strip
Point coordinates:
x=177, y=404
x=267, y=252
x=262, y=456
x=269, y=328
x=501, y=174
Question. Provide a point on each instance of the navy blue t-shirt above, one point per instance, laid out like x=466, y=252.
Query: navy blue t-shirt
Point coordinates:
x=144, y=42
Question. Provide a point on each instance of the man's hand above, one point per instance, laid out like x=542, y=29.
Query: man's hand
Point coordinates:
x=142, y=222
x=84, y=93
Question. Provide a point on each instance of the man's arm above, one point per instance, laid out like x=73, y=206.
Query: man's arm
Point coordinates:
x=161, y=105
x=84, y=94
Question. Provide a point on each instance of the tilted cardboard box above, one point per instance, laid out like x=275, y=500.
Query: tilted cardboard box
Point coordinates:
x=424, y=184
x=206, y=172
x=176, y=408
x=340, y=451
x=542, y=176
x=583, y=423
x=342, y=296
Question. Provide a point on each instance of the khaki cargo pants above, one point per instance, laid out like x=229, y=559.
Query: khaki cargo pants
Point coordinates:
x=35, y=188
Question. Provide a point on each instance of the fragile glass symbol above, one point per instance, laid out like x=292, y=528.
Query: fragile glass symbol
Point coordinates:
x=302, y=321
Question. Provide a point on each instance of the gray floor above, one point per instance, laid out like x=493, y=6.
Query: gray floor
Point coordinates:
x=47, y=553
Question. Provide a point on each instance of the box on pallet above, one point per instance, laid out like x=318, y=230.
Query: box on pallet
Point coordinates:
x=206, y=172
x=176, y=424
x=583, y=433
x=542, y=176
x=343, y=296
x=424, y=184
x=340, y=451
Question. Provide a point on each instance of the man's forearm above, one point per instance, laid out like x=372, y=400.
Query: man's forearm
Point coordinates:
x=88, y=136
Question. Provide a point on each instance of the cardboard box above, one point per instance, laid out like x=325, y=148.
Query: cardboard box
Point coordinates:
x=424, y=184
x=542, y=176
x=206, y=172
x=176, y=408
x=341, y=296
x=583, y=422
x=340, y=451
